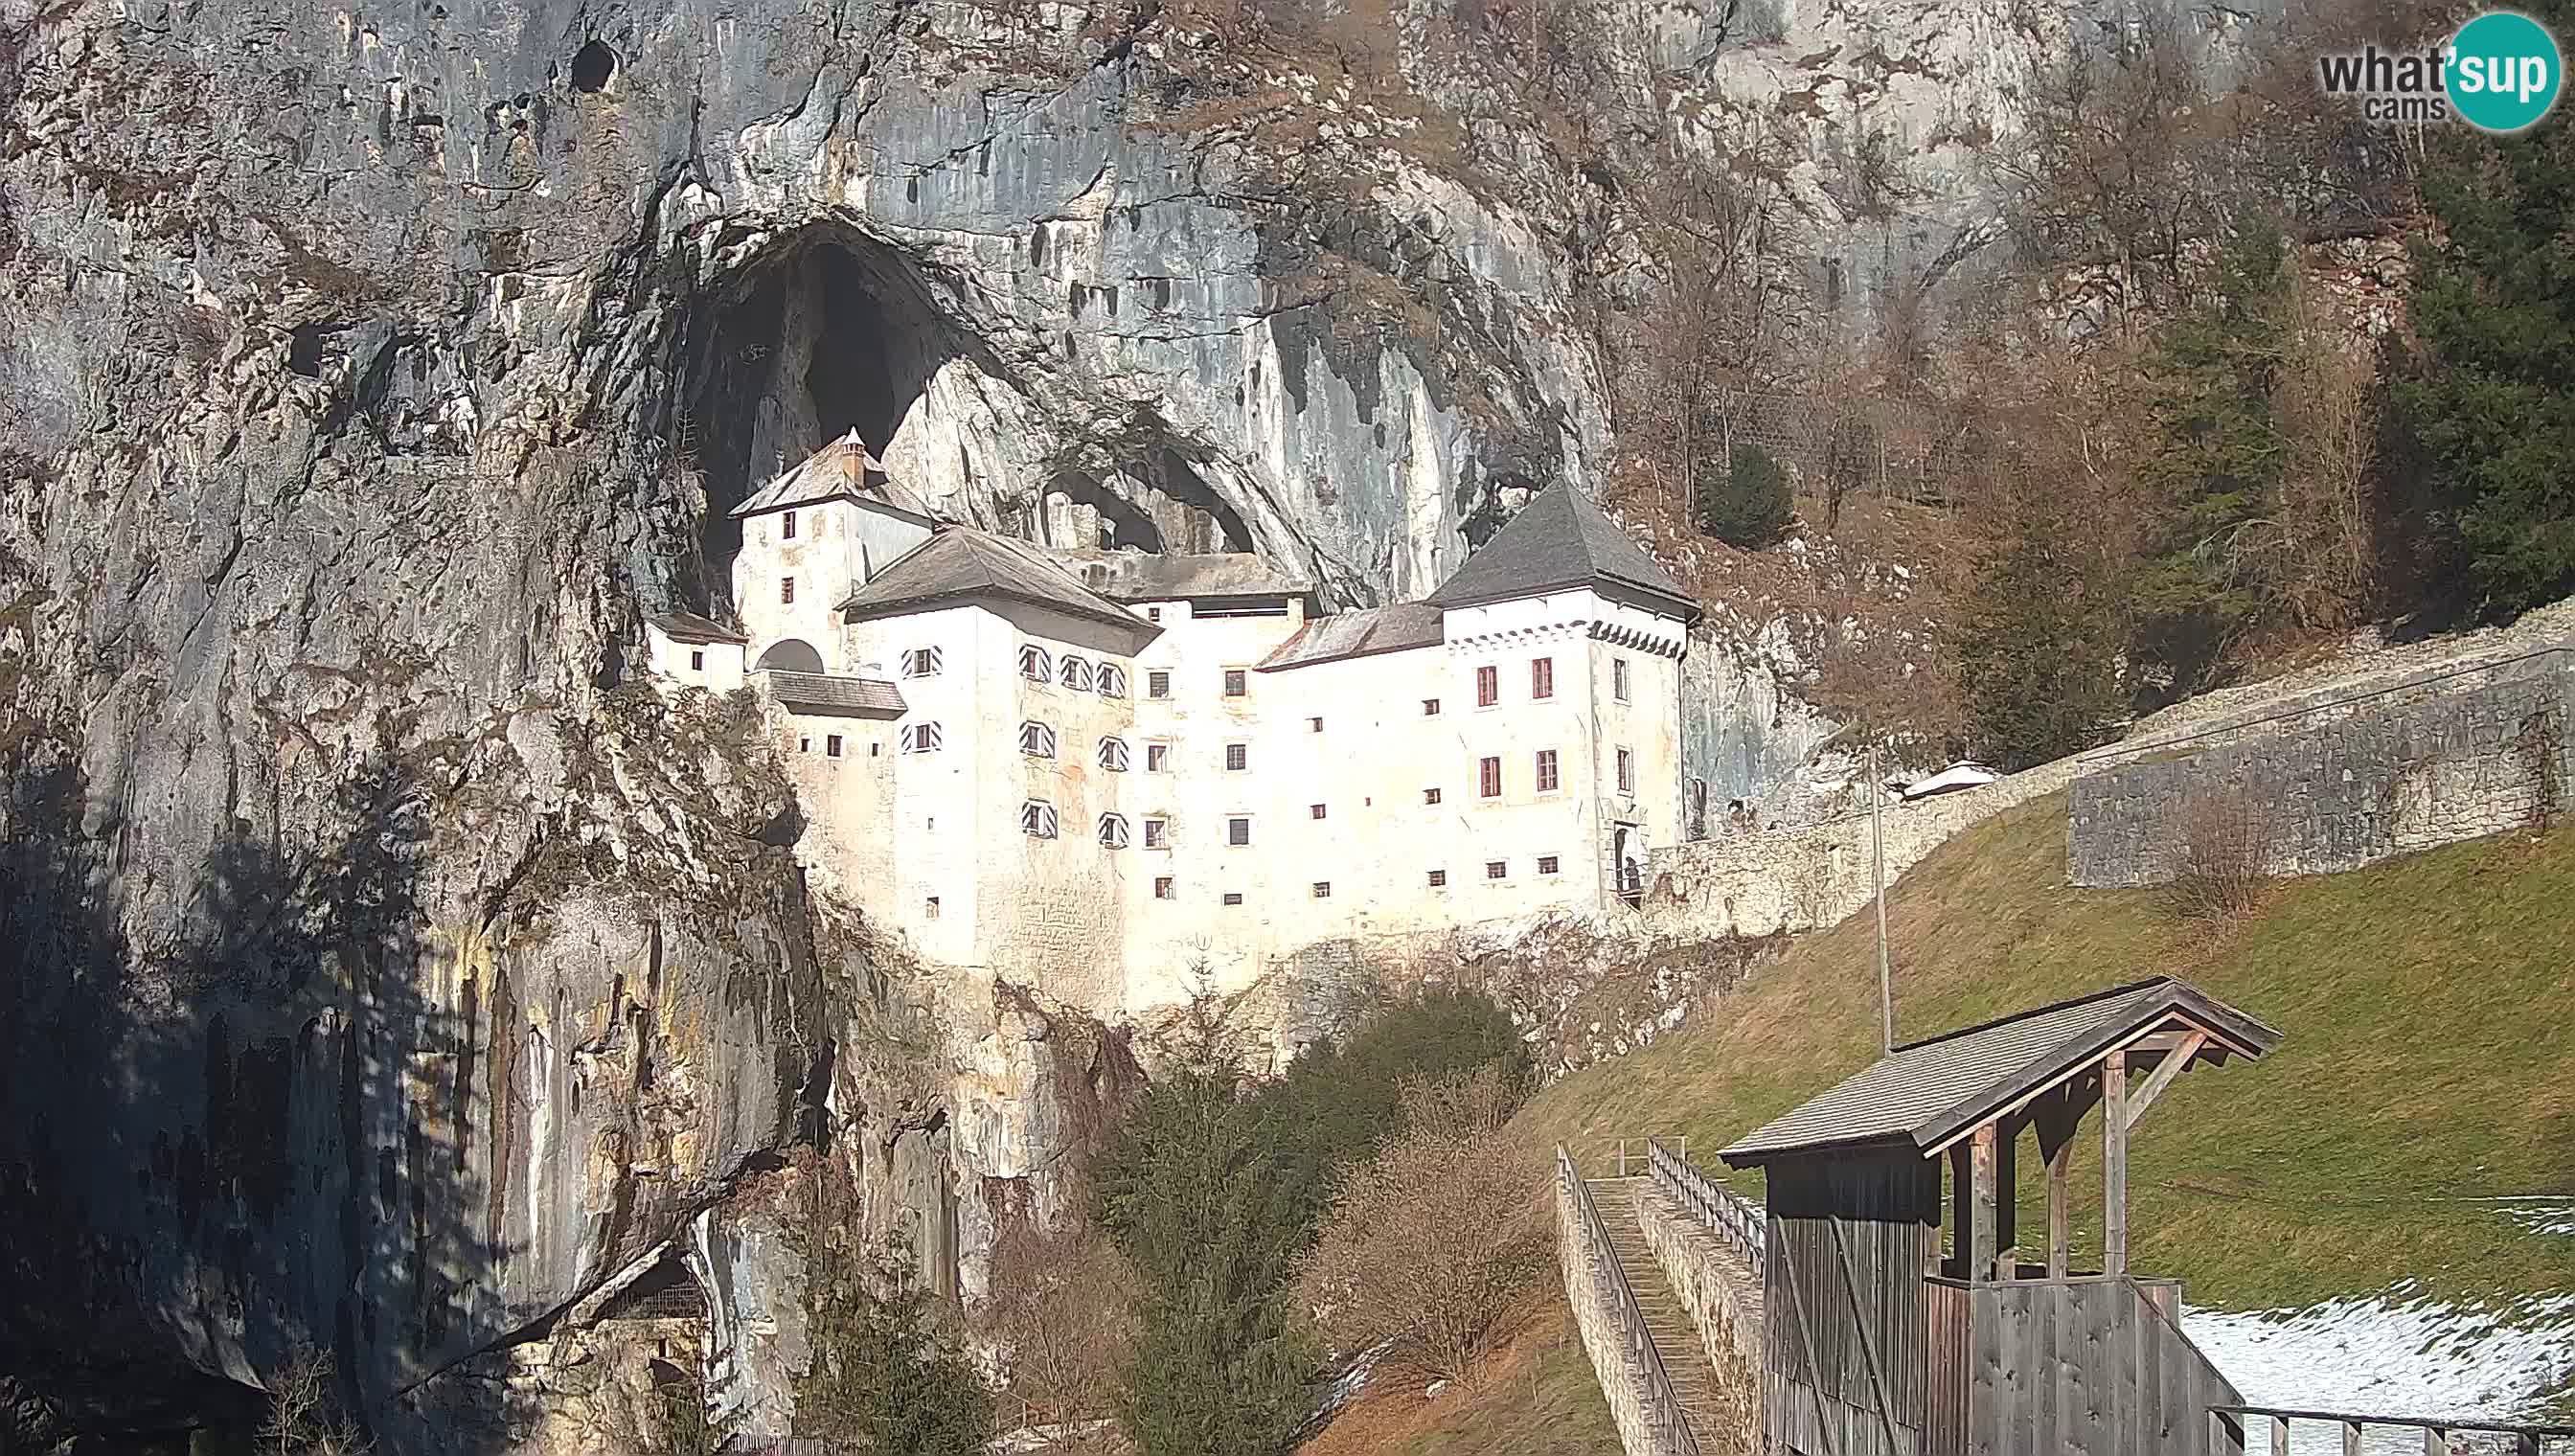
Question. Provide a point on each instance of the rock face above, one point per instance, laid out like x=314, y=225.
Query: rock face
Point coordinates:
x=385, y=969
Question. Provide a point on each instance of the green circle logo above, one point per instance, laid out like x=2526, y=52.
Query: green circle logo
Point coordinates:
x=2502, y=71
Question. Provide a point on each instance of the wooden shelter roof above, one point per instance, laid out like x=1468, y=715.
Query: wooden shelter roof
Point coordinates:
x=1920, y=1096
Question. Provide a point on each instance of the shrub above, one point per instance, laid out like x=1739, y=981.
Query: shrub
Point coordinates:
x=2221, y=857
x=304, y=1414
x=1431, y=1243
x=1063, y=1313
x=886, y=1377
x=1747, y=504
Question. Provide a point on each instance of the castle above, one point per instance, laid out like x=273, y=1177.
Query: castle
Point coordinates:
x=1109, y=775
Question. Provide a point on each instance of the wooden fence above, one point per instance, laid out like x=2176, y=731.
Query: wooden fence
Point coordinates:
x=1728, y=1214
x=2353, y=1429
x=1664, y=1412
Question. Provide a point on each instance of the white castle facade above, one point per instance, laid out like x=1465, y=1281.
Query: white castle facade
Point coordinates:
x=1112, y=774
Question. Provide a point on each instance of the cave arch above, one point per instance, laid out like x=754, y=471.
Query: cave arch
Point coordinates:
x=823, y=332
x=790, y=655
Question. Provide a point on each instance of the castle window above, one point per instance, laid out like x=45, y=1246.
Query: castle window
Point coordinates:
x=1430, y=708
x=923, y=661
x=1431, y=795
x=1113, y=680
x=1619, y=679
x=831, y=745
x=787, y=591
x=1113, y=832
x=1036, y=739
x=920, y=738
x=1158, y=833
x=1238, y=831
x=930, y=908
x=1075, y=672
x=1546, y=770
x=1488, y=775
x=1162, y=886
x=786, y=526
x=1323, y=890
x=1627, y=772
x=696, y=661
x=1152, y=614
x=1037, y=820
x=1036, y=665
x=1440, y=880
x=1547, y=865
x=1541, y=677
x=1158, y=685
x=1316, y=809
x=1494, y=868
x=1232, y=897
x=1112, y=754
x=1314, y=724
x=1157, y=757
x=803, y=746
x=1236, y=683
x=1237, y=757
x=1489, y=687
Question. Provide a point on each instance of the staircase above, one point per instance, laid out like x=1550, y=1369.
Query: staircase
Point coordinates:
x=1676, y=1340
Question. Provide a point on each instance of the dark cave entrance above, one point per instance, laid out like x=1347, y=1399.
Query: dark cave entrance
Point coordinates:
x=826, y=333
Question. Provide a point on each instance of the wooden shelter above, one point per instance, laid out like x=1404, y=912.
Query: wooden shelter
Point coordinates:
x=1880, y=1343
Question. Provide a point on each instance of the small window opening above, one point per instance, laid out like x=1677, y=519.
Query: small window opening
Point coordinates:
x=831, y=745
x=786, y=526
x=787, y=591
x=1438, y=880
x=1494, y=868
x=1162, y=886
x=1323, y=890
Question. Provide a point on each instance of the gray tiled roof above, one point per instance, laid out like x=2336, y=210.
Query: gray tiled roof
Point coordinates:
x=960, y=563
x=842, y=469
x=689, y=626
x=1144, y=576
x=827, y=692
x=1561, y=540
x=1924, y=1093
x=1359, y=634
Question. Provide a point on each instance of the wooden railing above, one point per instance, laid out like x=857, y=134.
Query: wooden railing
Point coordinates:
x=1673, y=1434
x=2525, y=1440
x=1731, y=1217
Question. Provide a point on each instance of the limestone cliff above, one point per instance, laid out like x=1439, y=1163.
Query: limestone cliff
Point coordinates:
x=385, y=968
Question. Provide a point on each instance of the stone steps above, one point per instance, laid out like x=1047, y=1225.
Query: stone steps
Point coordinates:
x=1667, y=1321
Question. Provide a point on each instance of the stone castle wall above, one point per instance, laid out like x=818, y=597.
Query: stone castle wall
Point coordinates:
x=2336, y=782
x=1760, y=883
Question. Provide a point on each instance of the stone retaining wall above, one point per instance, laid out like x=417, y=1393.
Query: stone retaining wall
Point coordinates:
x=2333, y=784
x=1811, y=877
x=1623, y=1384
x=1722, y=1293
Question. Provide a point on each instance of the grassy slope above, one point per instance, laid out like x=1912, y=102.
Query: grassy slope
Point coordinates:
x=1537, y=1397
x=2428, y=1007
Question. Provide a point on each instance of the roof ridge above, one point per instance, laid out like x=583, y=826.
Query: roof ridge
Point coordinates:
x=2035, y=1013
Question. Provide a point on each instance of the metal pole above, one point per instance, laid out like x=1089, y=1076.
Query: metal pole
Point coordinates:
x=1877, y=877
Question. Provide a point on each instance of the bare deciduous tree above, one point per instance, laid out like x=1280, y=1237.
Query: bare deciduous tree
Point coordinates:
x=1434, y=1242
x=304, y=1416
x=1063, y=1313
x=2223, y=852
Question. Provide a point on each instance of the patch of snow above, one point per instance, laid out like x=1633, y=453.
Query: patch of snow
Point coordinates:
x=2392, y=1355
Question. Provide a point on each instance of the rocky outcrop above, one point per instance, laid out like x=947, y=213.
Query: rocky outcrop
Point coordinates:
x=385, y=971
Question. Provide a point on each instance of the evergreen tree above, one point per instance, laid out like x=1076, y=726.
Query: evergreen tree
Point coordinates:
x=1197, y=1193
x=1747, y=504
x=884, y=1378
x=2217, y=458
x=2038, y=650
x=2489, y=404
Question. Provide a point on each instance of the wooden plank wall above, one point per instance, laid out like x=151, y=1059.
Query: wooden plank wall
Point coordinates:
x=1848, y=1241
x=2086, y=1367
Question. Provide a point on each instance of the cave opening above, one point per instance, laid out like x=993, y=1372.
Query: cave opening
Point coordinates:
x=825, y=333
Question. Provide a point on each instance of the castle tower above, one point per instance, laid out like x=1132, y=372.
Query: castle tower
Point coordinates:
x=809, y=538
